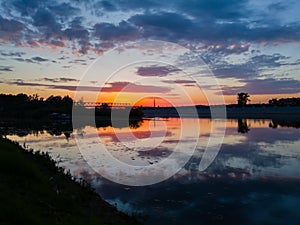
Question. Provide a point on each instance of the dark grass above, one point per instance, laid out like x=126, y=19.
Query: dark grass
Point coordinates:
x=33, y=190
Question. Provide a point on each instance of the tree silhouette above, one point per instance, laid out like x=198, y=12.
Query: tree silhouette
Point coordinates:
x=243, y=98
x=243, y=126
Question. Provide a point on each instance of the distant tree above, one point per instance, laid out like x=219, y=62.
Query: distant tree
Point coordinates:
x=67, y=103
x=103, y=110
x=22, y=98
x=285, y=101
x=273, y=101
x=243, y=98
x=34, y=97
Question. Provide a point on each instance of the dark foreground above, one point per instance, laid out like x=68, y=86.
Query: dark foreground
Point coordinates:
x=33, y=190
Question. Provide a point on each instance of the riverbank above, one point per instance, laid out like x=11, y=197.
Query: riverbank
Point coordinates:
x=259, y=111
x=33, y=190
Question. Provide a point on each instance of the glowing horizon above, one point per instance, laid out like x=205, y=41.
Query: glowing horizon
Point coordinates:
x=46, y=48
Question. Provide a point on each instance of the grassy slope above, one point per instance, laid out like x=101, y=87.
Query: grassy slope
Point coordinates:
x=34, y=191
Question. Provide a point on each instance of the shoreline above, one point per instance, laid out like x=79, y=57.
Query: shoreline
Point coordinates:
x=227, y=112
x=34, y=190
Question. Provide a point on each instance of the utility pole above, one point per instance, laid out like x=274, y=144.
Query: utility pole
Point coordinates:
x=154, y=111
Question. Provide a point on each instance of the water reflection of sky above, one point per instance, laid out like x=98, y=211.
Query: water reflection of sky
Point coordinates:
x=255, y=178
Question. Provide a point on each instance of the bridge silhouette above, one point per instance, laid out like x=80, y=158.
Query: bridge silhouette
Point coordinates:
x=105, y=104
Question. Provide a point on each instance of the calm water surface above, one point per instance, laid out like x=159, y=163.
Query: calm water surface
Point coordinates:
x=255, y=178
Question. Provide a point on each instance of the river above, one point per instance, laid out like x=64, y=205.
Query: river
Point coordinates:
x=253, y=179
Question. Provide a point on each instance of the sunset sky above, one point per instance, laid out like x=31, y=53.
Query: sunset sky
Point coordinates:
x=249, y=46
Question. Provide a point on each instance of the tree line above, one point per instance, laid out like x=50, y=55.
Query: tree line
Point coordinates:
x=22, y=105
x=32, y=106
x=243, y=98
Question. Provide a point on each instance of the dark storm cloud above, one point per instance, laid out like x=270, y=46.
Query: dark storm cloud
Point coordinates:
x=44, y=18
x=123, y=31
x=220, y=21
x=64, y=10
x=164, y=25
x=137, y=4
x=25, y=7
x=216, y=9
x=79, y=33
x=53, y=24
x=76, y=30
x=240, y=32
x=10, y=30
x=223, y=27
x=217, y=21
x=277, y=7
x=106, y=5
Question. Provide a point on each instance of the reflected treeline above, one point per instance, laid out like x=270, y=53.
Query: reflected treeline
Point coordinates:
x=243, y=126
x=23, y=128
x=284, y=123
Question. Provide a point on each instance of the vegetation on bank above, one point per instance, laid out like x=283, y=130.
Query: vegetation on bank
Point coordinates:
x=55, y=107
x=33, y=190
x=243, y=98
x=33, y=106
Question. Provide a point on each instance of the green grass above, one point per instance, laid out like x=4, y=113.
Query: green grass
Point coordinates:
x=33, y=190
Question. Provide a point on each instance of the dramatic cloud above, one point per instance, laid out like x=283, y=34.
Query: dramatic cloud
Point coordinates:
x=64, y=10
x=36, y=59
x=134, y=88
x=252, y=67
x=39, y=59
x=226, y=49
x=224, y=22
x=122, y=32
x=234, y=37
x=58, y=80
x=165, y=26
x=10, y=30
x=12, y=54
x=111, y=87
x=25, y=7
x=154, y=70
x=195, y=20
x=180, y=81
x=6, y=68
x=78, y=33
x=24, y=60
x=266, y=86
